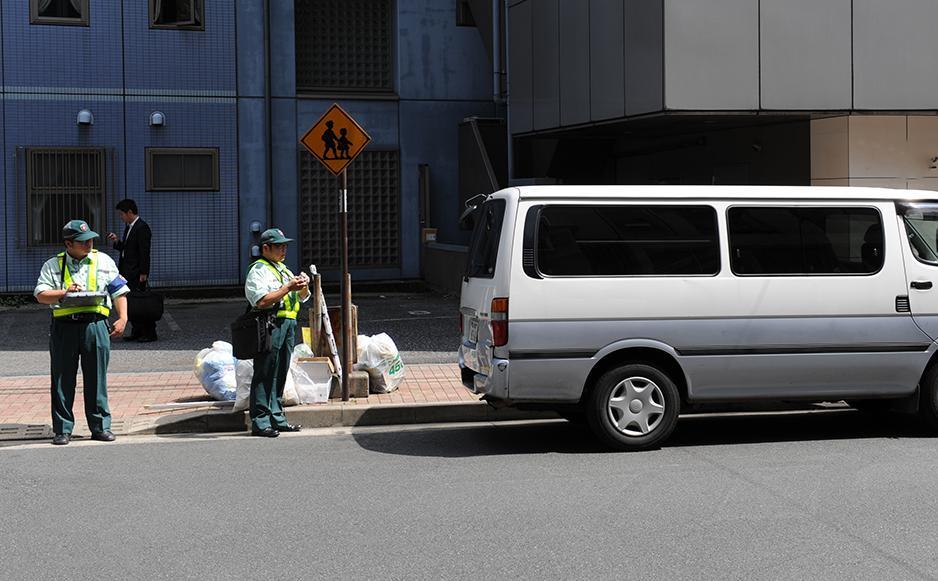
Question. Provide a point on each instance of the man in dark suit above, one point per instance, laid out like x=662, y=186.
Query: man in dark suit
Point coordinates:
x=134, y=262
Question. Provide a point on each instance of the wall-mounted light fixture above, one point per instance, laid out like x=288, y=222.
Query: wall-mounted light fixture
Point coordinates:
x=255, y=231
x=157, y=119
x=85, y=117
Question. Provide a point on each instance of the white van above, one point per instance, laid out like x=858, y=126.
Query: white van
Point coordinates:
x=624, y=303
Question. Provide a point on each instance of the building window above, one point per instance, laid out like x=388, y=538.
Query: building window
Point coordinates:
x=627, y=241
x=779, y=241
x=67, y=12
x=187, y=14
x=62, y=185
x=344, y=45
x=182, y=169
x=374, y=212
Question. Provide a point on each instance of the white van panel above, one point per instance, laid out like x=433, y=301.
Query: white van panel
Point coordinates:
x=736, y=337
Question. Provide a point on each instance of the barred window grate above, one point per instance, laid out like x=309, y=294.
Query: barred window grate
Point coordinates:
x=344, y=44
x=61, y=185
x=373, y=212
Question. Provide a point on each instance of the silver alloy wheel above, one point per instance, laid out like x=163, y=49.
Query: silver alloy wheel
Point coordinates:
x=636, y=406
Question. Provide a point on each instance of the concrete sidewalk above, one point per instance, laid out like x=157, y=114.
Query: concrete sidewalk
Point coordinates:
x=430, y=393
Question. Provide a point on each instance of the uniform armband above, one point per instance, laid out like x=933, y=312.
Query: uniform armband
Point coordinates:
x=116, y=284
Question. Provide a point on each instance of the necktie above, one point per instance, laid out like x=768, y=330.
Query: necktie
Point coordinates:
x=126, y=230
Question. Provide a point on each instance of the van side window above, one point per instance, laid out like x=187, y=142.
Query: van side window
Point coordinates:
x=483, y=249
x=805, y=241
x=627, y=240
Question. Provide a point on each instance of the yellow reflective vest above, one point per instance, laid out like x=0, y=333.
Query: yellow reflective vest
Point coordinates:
x=100, y=309
x=291, y=301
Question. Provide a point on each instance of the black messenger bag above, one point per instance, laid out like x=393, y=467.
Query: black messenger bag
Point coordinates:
x=251, y=333
x=144, y=305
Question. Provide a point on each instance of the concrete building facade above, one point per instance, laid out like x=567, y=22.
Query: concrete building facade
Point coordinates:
x=836, y=92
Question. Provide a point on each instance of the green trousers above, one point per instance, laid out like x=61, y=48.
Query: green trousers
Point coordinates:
x=270, y=375
x=70, y=342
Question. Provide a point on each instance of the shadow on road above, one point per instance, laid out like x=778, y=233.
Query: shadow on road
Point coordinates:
x=562, y=437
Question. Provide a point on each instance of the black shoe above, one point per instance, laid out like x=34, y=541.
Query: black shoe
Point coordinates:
x=105, y=436
x=147, y=339
x=290, y=428
x=131, y=338
x=265, y=433
x=61, y=439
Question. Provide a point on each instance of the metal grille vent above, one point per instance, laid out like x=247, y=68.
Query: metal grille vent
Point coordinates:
x=61, y=185
x=373, y=207
x=344, y=44
x=902, y=304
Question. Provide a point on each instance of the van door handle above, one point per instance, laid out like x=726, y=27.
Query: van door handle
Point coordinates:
x=921, y=284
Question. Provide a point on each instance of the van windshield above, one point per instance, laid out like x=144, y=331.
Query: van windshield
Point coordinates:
x=483, y=250
x=921, y=226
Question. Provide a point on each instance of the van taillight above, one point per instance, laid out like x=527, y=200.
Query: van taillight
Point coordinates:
x=499, y=322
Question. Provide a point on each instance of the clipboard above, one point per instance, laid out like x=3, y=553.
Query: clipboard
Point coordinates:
x=84, y=299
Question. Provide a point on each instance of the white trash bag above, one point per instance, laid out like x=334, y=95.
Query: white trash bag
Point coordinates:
x=309, y=389
x=244, y=373
x=378, y=355
x=215, y=370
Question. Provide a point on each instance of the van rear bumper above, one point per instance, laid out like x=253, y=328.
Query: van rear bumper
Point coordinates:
x=494, y=385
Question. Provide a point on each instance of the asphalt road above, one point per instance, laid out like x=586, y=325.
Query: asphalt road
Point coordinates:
x=829, y=495
x=424, y=326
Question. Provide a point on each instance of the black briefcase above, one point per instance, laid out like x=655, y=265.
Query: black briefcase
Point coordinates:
x=251, y=334
x=144, y=305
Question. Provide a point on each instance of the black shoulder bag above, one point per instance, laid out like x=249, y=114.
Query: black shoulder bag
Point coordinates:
x=251, y=333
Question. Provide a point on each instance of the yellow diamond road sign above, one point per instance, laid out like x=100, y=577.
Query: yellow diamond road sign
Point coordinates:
x=336, y=139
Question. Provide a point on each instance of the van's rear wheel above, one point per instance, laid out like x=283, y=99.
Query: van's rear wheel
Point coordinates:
x=633, y=407
x=928, y=394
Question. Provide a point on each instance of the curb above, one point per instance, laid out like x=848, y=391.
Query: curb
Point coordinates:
x=343, y=415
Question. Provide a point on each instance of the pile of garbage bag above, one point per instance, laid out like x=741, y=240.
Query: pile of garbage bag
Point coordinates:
x=226, y=378
x=215, y=370
x=298, y=389
x=378, y=355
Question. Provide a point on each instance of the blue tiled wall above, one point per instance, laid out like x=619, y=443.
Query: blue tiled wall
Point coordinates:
x=122, y=70
x=210, y=86
x=44, y=58
x=190, y=62
x=49, y=120
x=195, y=234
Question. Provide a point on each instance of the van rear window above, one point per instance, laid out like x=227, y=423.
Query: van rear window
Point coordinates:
x=627, y=240
x=483, y=249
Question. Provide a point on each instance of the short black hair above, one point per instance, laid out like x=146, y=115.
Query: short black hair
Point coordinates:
x=127, y=205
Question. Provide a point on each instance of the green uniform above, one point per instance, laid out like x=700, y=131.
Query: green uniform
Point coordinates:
x=80, y=334
x=270, y=369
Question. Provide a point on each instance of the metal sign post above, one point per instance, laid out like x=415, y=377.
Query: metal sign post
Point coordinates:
x=346, y=290
x=336, y=140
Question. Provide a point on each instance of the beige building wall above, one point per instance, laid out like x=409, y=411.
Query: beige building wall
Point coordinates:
x=889, y=151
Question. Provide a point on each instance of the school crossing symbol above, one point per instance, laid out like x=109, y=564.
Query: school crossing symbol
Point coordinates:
x=336, y=139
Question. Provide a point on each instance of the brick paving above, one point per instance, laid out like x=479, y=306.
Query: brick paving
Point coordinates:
x=25, y=401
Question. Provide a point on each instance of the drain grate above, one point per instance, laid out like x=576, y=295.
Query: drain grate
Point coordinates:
x=24, y=431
